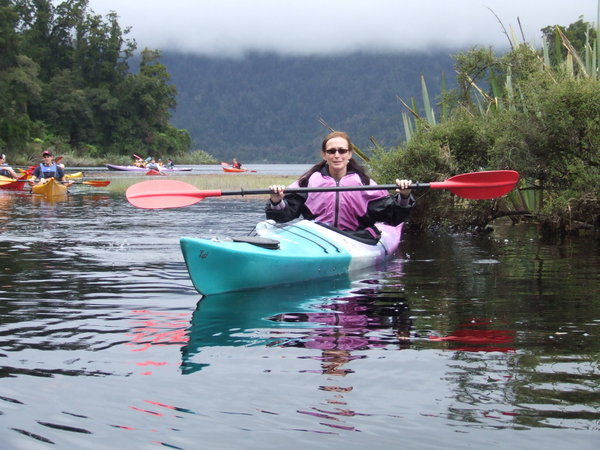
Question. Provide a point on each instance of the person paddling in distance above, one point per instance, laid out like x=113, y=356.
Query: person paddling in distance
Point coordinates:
x=5, y=169
x=49, y=169
x=236, y=164
x=153, y=165
x=355, y=212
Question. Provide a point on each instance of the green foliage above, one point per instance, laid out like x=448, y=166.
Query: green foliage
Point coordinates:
x=265, y=107
x=539, y=119
x=579, y=34
x=64, y=71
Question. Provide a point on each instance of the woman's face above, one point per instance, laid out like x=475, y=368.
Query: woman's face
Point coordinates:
x=339, y=159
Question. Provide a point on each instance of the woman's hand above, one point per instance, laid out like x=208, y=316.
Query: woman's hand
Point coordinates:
x=404, y=190
x=276, y=193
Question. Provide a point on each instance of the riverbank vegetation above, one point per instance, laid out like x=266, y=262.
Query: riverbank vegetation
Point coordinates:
x=536, y=111
x=65, y=83
x=223, y=182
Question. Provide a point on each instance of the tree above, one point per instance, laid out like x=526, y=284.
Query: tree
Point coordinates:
x=518, y=112
x=579, y=34
x=19, y=83
x=145, y=101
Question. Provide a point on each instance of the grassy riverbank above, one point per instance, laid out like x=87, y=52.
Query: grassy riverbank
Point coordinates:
x=224, y=182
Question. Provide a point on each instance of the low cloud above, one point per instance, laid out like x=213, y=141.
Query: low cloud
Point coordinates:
x=233, y=27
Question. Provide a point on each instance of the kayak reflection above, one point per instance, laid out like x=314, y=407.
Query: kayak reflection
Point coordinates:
x=326, y=316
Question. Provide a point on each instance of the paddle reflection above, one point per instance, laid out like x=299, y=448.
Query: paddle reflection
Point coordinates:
x=478, y=336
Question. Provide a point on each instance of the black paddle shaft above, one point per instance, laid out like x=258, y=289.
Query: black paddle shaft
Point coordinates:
x=376, y=187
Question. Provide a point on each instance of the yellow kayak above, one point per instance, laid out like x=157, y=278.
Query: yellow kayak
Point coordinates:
x=74, y=175
x=50, y=188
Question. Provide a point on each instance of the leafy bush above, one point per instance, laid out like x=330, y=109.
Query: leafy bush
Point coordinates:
x=541, y=120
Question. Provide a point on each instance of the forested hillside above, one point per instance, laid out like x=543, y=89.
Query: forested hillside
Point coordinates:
x=266, y=107
x=65, y=82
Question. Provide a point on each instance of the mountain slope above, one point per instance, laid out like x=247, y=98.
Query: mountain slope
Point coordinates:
x=265, y=107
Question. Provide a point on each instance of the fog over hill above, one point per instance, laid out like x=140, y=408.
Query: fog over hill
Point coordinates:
x=254, y=77
x=266, y=107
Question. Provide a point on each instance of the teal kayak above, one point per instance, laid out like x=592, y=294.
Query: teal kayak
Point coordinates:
x=281, y=254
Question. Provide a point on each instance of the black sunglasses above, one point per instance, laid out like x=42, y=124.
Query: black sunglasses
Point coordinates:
x=341, y=151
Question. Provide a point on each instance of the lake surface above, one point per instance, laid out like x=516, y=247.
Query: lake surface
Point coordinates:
x=459, y=342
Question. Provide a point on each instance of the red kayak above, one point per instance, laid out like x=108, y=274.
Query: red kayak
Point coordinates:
x=233, y=170
x=229, y=169
x=17, y=185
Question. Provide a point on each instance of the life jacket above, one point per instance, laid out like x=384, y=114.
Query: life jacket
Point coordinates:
x=5, y=172
x=48, y=171
x=342, y=210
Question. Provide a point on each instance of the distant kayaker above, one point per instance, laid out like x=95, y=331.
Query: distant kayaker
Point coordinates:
x=236, y=164
x=139, y=163
x=152, y=165
x=49, y=169
x=170, y=164
x=352, y=211
x=5, y=169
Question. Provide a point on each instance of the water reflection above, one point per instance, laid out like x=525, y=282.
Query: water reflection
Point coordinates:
x=242, y=318
x=361, y=320
x=478, y=335
x=102, y=331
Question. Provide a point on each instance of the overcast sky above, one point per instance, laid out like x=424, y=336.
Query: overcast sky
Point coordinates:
x=303, y=27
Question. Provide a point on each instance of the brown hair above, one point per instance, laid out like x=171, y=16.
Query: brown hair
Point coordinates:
x=336, y=134
x=352, y=164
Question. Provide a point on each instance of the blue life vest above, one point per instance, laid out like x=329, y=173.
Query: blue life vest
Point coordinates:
x=48, y=171
x=4, y=172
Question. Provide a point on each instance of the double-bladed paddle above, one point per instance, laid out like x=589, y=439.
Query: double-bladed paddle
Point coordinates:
x=97, y=183
x=176, y=194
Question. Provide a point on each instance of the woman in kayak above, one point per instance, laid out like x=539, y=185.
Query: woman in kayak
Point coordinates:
x=236, y=164
x=5, y=169
x=49, y=169
x=352, y=211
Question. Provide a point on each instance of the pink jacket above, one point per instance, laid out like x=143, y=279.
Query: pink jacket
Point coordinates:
x=348, y=211
x=339, y=209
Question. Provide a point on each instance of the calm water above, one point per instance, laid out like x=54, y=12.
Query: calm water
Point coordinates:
x=460, y=342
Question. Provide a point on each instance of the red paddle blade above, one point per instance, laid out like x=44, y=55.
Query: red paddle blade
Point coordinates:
x=158, y=194
x=480, y=185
